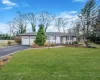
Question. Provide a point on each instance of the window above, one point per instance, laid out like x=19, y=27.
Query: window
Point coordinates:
x=71, y=38
x=51, y=38
x=67, y=38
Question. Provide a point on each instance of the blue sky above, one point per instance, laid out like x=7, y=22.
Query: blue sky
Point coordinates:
x=8, y=8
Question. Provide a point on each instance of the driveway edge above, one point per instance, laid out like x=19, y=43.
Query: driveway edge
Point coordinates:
x=12, y=53
x=30, y=48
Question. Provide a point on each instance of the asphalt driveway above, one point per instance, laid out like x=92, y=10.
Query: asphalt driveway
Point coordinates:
x=11, y=49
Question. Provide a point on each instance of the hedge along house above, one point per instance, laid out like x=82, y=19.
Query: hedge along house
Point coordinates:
x=52, y=37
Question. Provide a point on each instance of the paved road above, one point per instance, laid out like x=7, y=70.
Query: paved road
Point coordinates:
x=8, y=50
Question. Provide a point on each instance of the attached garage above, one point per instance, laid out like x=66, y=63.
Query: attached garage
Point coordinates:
x=27, y=40
x=32, y=39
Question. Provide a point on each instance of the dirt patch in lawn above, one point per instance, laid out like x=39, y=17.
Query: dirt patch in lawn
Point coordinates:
x=4, y=60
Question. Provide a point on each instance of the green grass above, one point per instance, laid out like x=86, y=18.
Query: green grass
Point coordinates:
x=53, y=64
x=1, y=45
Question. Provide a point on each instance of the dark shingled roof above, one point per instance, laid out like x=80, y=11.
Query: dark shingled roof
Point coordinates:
x=49, y=34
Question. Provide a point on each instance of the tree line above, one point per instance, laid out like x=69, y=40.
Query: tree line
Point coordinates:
x=20, y=23
x=5, y=37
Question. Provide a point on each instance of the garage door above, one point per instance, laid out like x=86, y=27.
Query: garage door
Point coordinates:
x=25, y=40
x=32, y=39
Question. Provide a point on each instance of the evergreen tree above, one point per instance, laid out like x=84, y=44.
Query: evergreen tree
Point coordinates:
x=98, y=19
x=41, y=37
x=87, y=16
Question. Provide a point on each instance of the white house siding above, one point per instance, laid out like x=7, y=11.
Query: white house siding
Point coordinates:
x=64, y=40
x=51, y=39
x=58, y=40
x=54, y=39
x=74, y=39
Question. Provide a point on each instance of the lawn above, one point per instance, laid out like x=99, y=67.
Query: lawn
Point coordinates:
x=5, y=44
x=53, y=64
x=1, y=45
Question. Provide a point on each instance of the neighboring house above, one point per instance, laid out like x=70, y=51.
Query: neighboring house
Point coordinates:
x=52, y=37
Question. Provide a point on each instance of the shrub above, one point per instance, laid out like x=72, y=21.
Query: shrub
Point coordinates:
x=46, y=44
x=33, y=45
x=53, y=44
x=75, y=42
x=9, y=43
x=1, y=63
x=97, y=42
x=18, y=39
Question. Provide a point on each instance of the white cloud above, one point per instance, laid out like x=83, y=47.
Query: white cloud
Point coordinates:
x=68, y=15
x=72, y=12
x=8, y=8
x=79, y=0
x=71, y=17
x=3, y=28
x=8, y=3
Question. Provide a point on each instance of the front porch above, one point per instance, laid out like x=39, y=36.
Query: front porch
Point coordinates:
x=67, y=39
x=61, y=39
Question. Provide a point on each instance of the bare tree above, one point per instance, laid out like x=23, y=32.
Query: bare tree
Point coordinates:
x=58, y=24
x=12, y=29
x=32, y=19
x=61, y=24
x=45, y=18
x=77, y=28
x=64, y=23
x=20, y=23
